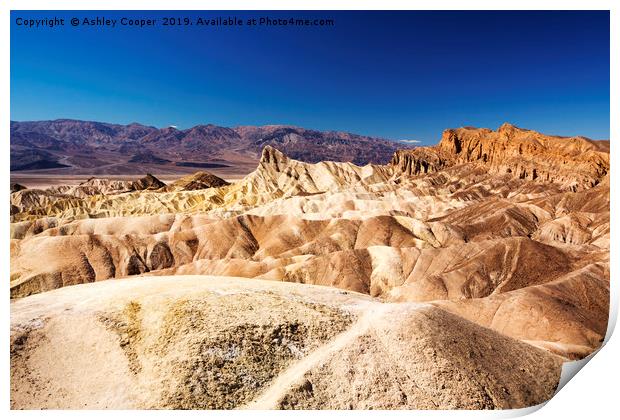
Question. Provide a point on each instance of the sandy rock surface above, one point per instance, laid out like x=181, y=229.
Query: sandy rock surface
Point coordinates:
x=217, y=342
x=442, y=271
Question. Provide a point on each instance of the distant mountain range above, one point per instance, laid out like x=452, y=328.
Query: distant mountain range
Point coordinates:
x=87, y=147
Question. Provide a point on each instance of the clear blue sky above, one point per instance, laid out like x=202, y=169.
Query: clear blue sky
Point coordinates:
x=399, y=75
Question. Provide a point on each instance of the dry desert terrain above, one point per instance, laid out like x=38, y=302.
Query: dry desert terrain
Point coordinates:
x=458, y=276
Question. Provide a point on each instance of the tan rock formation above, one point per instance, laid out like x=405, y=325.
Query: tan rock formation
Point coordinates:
x=573, y=163
x=195, y=342
x=488, y=250
x=198, y=181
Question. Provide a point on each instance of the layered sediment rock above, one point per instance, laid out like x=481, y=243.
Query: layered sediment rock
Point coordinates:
x=574, y=163
x=485, y=252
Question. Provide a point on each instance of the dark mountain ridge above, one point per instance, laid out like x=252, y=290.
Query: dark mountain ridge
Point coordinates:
x=80, y=145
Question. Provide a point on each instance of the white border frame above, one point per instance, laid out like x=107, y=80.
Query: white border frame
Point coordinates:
x=588, y=396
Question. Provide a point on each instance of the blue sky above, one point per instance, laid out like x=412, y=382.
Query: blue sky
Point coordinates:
x=399, y=75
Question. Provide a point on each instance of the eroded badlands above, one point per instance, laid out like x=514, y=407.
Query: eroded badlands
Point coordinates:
x=460, y=276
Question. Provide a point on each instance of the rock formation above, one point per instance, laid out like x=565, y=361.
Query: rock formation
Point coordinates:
x=194, y=342
x=198, y=181
x=574, y=163
x=485, y=252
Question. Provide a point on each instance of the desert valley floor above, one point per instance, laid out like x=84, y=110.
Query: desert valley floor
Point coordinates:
x=458, y=276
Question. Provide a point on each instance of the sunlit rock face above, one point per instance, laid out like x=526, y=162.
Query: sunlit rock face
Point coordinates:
x=452, y=265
